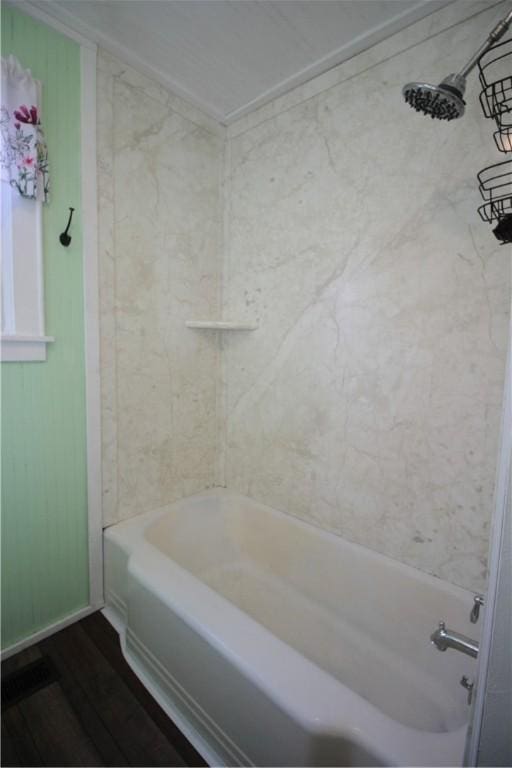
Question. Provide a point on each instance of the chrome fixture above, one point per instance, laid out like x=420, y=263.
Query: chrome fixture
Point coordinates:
x=444, y=638
x=468, y=685
x=446, y=100
x=478, y=601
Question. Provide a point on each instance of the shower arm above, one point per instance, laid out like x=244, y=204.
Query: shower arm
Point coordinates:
x=493, y=37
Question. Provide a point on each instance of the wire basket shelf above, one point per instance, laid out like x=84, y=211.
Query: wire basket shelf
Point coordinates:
x=495, y=73
x=495, y=185
x=496, y=98
x=503, y=138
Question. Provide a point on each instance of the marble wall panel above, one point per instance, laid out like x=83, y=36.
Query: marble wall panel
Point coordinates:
x=369, y=400
x=159, y=169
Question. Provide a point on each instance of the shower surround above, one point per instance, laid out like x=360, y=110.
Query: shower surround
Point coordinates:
x=368, y=401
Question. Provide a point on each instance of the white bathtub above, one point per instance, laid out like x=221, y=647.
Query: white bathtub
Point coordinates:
x=271, y=642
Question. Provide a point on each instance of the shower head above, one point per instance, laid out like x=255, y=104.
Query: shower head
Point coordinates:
x=444, y=101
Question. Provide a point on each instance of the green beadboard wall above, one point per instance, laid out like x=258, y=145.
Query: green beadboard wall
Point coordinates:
x=44, y=491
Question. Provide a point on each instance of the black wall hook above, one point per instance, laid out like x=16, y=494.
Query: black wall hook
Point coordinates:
x=64, y=238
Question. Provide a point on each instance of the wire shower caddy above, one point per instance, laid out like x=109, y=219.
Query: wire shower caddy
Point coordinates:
x=495, y=181
x=495, y=74
x=495, y=185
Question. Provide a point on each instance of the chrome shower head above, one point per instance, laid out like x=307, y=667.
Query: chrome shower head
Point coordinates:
x=444, y=101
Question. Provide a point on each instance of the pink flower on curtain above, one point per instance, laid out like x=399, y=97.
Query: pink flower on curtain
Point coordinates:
x=25, y=115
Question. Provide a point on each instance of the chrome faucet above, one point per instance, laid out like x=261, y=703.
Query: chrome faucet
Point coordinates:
x=444, y=638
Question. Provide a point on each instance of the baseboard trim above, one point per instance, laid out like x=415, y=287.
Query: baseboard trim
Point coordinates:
x=20, y=645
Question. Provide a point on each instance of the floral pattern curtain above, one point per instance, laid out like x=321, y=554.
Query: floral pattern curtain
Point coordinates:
x=23, y=151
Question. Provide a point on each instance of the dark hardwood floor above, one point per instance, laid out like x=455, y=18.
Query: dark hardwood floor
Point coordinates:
x=95, y=713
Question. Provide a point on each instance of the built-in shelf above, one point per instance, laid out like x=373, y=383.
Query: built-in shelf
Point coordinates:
x=220, y=325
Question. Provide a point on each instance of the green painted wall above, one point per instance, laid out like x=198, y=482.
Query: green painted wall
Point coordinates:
x=44, y=497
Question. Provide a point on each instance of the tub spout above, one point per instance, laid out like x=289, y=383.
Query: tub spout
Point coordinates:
x=444, y=638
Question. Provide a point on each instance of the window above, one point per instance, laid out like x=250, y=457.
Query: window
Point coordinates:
x=24, y=186
x=23, y=337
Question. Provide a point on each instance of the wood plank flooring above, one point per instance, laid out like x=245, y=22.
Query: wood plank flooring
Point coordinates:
x=97, y=712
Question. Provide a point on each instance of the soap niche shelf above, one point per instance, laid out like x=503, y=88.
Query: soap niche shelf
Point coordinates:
x=220, y=325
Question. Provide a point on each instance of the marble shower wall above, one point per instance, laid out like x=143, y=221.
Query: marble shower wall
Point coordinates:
x=369, y=400
x=159, y=173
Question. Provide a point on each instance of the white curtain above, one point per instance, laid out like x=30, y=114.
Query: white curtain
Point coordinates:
x=23, y=151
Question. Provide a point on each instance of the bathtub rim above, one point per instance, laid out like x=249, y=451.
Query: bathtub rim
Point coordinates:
x=133, y=526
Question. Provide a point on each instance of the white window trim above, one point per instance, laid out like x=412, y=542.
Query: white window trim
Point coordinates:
x=24, y=349
x=16, y=346
x=92, y=320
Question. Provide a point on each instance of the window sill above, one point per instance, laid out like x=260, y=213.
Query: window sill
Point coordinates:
x=24, y=349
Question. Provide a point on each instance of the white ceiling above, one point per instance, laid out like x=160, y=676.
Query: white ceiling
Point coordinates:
x=231, y=56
